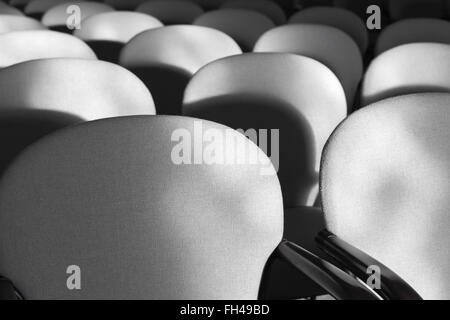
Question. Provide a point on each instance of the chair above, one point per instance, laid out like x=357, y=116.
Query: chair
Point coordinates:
x=305, y=103
x=339, y=18
x=403, y=9
x=36, y=8
x=20, y=128
x=19, y=4
x=141, y=226
x=268, y=8
x=384, y=183
x=89, y=89
x=21, y=46
x=9, y=23
x=412, y=31
x=124, y=4
x=407, y=69
x=107, y=33
x=167, y=57
x=210, y=4
x=244, y=26
x=171, y=12
x=328, y=45
x=56, y=17
x=8, y=10
x=360, y=6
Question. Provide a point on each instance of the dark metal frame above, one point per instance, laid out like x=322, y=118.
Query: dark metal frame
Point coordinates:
x=336, y=282
x=8, y=291
x=355, y=261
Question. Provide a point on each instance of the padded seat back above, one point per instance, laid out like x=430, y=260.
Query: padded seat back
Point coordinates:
x=295, y=95
x=166, y=58
x=412, y=31
x=244, y=26
x=410, y=68
x=385, y=182
x=107, y=33
x=89, y=89
x=111, y=202
x=328, y=45
x=172, y=12
x=342, y=19
x=268, y=8
x=21, y=46
x=57, y=17
x=9, y=23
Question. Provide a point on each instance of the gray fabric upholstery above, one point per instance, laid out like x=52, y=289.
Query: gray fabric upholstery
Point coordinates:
x=124, y=4
x=105, y=196
x=40, y=6
x=297, y=95
x=244, y=26
x=9, y=10
x=183, y=47
x=339, y=18
x=57, y=15
x=21, y=46
x=168, y=57
x=328, y=45
x=402, y=9
x=20, y=128
x=385, y=185
x=268, y=8
x=407, y=69
x=411, y=31
x=118, y=26
x=90, y=89
x=10, y=23
x=172, y=12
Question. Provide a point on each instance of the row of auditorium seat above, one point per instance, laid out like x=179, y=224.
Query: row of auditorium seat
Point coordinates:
x=181, y=56
x=101, y=190
x=395, y=9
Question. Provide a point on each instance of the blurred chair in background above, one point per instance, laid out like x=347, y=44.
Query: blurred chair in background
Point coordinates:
x=407, y=69
x=9, y=10
x=56, y=18
x=244, y=26
x=328, y=45
x=124, y=4
x=107, y=33
x=10, y=23
x=36, y=8
x=21, y=46
x=342, y=19
x=172, y=12
x=403, y=9
x=268, y=8
x=166, y=58
x=19, y=4
x=411, y=31
x=89, y=89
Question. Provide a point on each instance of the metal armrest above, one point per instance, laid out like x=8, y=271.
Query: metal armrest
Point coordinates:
x=335, y=281
x=7, y=290
x=392, y=286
